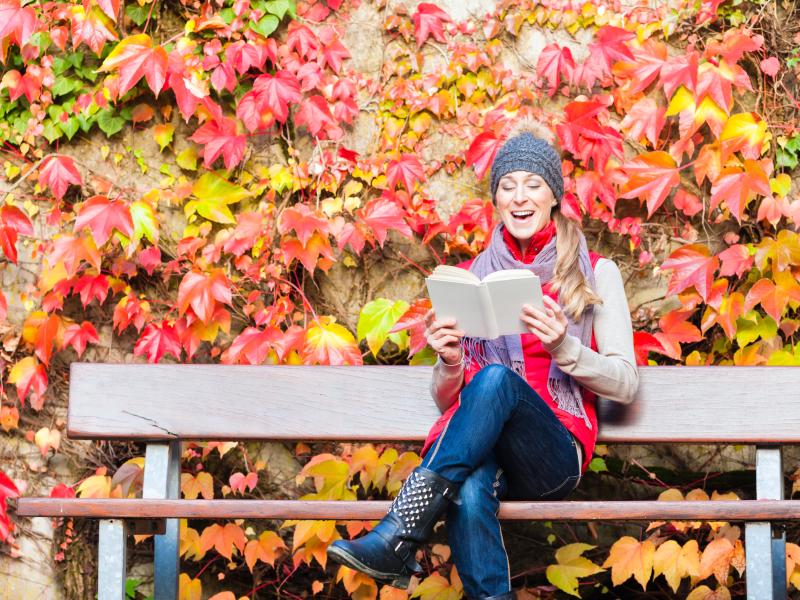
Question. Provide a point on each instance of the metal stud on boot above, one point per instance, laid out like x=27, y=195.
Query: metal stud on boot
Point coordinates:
x=387, y=552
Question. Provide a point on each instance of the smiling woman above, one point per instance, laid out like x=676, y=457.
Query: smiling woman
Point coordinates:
x=519, y=416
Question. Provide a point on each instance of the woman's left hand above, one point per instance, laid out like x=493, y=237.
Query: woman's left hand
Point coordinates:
x=548, y=324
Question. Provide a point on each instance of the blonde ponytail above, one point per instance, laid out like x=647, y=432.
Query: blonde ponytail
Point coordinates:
x=574, y=293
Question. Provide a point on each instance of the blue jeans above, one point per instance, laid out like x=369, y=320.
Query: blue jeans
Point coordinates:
x=504, y=441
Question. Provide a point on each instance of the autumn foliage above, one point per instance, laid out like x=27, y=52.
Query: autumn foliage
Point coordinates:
x=677, y=157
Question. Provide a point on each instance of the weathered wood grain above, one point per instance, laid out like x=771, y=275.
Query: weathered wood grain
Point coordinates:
x=219, y=402
x=715, y=510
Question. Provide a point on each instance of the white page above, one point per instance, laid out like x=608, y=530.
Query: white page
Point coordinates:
x=454, y=272
x=462, y=301
x=507, y=297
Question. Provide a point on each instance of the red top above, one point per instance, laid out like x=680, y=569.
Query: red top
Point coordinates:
x=537, y=361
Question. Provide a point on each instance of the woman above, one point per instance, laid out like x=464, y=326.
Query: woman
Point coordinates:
x=519, y=416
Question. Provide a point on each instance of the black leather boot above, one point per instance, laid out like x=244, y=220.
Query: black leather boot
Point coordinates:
x=387, y=552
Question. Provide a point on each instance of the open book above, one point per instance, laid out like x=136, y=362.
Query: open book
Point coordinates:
x=485, y=309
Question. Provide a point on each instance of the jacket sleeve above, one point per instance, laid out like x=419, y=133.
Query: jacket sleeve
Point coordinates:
x=611, y=371
x=446, y=383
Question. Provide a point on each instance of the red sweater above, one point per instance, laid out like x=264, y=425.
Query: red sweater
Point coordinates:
x=537, y=362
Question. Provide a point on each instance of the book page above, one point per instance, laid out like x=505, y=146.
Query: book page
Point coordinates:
x=507, y=297
x=452, y=272
x=461, y=301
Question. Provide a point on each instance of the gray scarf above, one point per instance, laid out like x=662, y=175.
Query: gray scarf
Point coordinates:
x=507, y=349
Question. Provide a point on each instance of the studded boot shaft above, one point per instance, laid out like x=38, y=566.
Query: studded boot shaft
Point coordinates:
x=387, y=552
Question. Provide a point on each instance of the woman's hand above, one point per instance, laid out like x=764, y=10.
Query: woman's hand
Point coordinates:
x=549, y=325
x=443, y=338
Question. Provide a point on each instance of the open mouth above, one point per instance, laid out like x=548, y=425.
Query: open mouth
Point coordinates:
x=522, y=215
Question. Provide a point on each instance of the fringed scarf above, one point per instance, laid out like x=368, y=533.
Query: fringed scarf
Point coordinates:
x=507, y=349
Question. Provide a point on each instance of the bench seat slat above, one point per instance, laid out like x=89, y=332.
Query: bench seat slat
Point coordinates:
x=634, y=510
x=371, y=403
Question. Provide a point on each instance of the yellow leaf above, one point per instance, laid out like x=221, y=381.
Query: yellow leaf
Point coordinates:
x=189, y=589
x=706, y=593
x=436, y=587
x=46, y=438
x=393, y=593
x=358, y=585
x=780, y=184
x=96, y=486
x=571, y=566
x=190, y=542
x=630, y=557
x=316, y=587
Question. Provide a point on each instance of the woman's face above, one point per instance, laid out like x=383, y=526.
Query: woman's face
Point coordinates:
x=524, y=202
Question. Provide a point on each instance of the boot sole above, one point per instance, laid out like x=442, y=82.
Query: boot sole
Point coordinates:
x=397, y=580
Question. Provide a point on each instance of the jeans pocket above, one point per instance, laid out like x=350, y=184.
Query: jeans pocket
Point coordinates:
x=563, y=489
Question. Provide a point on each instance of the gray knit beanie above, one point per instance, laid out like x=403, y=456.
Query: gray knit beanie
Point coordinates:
x=526, y=152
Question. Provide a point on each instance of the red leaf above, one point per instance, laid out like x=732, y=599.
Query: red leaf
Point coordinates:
x=78, y=336
x=8, y=489
x=157, y=340
x=301, y=39
x=62, y=491
x=110, y=7
x=407, y=169
x=3, y=306
x=651, y=177
x=770, y=66
x=315, y=114
x=303, y=220
x=414, y=321
x=57, y=173
x=687, y=202
x=381, y=215
x=277, y=92
x=12, y=222
x=680, y=70
x=309, y=254
x=221, y=137
x=202, y=291
x=29, y=375
x=736, y=260
x=91, y=28
x=736, y=187
x=90, y=287
x=555, y=61
x=611, y=45
x=333, y=53
x=47, y=335
x=643, y=343
x=17, y=22
x=675, y=329
x=584, y=136
x=429, y=20
x=136, y=57
x=102, y=215
x=251, y=347
x=691, y=265
x=481, y=152
x=149, y=259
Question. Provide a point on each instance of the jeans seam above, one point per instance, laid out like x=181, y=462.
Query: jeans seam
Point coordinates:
x=439, y=441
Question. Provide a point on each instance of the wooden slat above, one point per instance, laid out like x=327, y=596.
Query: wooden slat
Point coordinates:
x=222, y=402
x=718, y=510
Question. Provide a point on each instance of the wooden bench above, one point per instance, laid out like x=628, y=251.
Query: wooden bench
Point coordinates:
x=165, y=404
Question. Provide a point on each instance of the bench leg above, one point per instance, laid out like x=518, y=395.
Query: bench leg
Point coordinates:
x=162, y=480
x=765, y=552
x=112, y=560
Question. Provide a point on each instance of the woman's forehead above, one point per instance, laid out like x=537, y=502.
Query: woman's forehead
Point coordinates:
x=520, y=175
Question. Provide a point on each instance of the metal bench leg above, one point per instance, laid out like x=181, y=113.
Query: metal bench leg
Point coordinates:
x=162, y=480
x=765, y=552
x=112, y=559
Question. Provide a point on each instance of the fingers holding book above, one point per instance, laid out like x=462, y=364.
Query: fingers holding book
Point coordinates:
x=444, y=338
x=548, y=324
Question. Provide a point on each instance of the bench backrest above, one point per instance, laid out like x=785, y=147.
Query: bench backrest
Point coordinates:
x=374, y=403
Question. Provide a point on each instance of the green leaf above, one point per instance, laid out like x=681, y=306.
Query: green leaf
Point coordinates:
x=753, y=326
x=109, y=122
x=598, y=465
x=376, y=319
x=70, y=126
x=426, y=357
x=51, y=132
x=213, y=194
x=279, y=8
x=266, y=25
x=227, y=15
x=64, y=86
x=137, y=14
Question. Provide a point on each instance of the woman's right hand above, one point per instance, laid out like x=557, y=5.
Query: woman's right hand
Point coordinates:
x=444, y=338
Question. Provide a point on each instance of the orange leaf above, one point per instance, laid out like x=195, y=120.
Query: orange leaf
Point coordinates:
x=29, y=376
x=266, y=549
x=328, y=343
x=736, y=187
x=706, y=593
x=202, y=291
x=191, y=486
x=716, y=559
x=651, y=177
x=630, y=557
x=189, y=589
x=224, y=539
x=691, y=265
